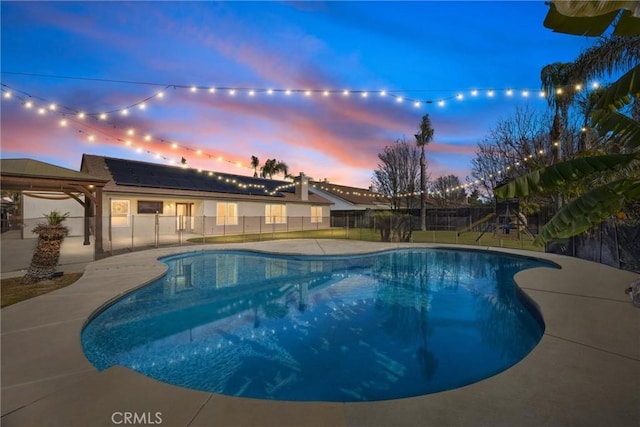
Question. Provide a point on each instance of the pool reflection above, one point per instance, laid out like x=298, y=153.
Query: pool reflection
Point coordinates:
x=367, y=327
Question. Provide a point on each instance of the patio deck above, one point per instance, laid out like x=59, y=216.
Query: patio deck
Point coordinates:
x=585, y=371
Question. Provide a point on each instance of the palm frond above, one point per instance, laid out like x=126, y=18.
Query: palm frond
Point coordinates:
x=608, y=55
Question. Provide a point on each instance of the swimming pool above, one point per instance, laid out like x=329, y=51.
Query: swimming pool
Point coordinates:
x=321, y=328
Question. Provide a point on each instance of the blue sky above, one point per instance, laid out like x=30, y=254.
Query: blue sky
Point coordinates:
x=425, y=51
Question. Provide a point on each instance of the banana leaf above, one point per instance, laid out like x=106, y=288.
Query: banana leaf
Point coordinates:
x=589, y=209
x=555, y=176
x=624, y=127
x=618, y=94
x=592, y=18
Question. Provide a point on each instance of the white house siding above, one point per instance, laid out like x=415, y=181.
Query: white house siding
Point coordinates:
x=338, y=203
x=251, y=217
x=135, y=230
x=36, y=205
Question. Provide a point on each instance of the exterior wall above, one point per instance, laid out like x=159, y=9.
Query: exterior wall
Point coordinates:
x=35, y=207
x=338, y=203
x=131, y=229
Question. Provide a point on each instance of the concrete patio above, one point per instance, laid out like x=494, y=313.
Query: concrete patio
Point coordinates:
x=584, y=372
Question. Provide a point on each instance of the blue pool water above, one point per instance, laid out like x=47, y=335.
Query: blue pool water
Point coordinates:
x=322, y=328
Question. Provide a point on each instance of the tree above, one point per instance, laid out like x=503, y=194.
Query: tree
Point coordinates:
x=511, y=148
x=273, y=167
x=255, y=162
x=423, y=138
x=556, y=79
x=448, y=191
x=613, y=180
x=397, y=178
x=50, y=237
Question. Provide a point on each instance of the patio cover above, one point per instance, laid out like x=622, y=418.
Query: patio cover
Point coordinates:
x=33, y=175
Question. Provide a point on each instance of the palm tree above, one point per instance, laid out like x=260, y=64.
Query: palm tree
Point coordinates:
x=613, y=179
x=423, y=138
x=556, y=80
x=47, y=253
x=273, y=167
x=255, y=162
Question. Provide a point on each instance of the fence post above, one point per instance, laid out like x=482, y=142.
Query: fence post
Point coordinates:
x=132, y=230
x=157, y=230
x=203, y=228
x=244, y=234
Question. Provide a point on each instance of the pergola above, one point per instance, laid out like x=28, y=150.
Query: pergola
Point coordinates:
x=33, y=175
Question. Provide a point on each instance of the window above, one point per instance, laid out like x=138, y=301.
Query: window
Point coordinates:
x=316, y=213
x=275, y=214
x=149, y=207
x=227, y=213
x=120, y=213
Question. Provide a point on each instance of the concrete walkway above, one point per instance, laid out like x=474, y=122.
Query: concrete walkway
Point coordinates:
x=584, y=372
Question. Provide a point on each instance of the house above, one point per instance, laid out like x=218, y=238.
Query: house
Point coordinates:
x=151, y=204
x=352, y=206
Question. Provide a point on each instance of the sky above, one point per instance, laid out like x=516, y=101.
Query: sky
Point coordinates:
x=191, y=80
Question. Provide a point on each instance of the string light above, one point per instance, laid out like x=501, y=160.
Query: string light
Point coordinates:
x=81, y=115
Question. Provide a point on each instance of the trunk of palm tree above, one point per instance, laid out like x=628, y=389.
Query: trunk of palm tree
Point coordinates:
x=45, y=258
x=423, y=190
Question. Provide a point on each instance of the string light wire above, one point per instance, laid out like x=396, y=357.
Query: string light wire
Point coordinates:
x=77, y=116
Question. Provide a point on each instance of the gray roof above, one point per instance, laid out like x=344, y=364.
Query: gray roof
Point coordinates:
x=30, y=168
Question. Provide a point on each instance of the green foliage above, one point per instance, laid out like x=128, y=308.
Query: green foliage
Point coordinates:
x=55, y=217
x=623, y=128
x=393, y=227
x=613, y=179
x=561, y=174
x=591, y=208
x=592, y=18
x=618, y=94
x=273, y=167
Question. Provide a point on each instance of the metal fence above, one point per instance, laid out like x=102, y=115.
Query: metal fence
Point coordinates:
x=473, y=226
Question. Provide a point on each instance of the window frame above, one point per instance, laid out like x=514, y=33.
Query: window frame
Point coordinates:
x=315, y=217
x=226, y=219
x=121, y=219
x=270, y=218
x=150, y=210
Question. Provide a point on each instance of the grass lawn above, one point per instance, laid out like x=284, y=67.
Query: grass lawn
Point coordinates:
x=13, y=291
x=469, y=238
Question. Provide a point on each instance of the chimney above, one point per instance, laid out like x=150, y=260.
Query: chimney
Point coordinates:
x=302, y=187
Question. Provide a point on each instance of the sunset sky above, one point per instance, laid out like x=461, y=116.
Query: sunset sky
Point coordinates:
x=97, y=57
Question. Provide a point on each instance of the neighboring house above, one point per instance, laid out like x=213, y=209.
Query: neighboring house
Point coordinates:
x=146, y=201
x=352, y=206
x=348, y=199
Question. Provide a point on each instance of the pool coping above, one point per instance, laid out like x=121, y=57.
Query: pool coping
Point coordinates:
x=585, y=370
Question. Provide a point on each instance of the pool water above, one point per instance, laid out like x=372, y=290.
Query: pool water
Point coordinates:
x=322, y=328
